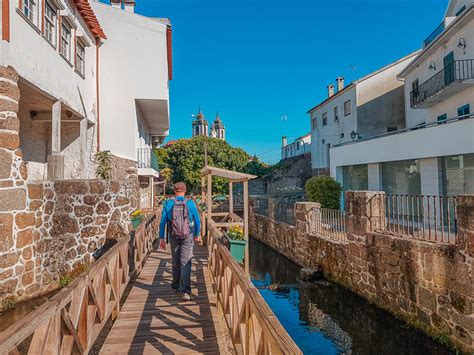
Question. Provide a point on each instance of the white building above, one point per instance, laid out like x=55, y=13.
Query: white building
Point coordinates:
x=135, y=69
x=299, y=146
x=371, y=105
x=52, y=46
x=434, y=155
x=81, y=90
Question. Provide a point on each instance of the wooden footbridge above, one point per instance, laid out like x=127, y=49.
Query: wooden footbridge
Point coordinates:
x=227, y=313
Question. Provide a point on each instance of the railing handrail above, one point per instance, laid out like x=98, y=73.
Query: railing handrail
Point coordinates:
x=458, y=70
x=435, y=34
x=273, y=338
x=405, y=130
x=45, y=321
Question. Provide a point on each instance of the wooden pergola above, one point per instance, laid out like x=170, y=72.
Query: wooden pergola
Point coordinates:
x=227, y=218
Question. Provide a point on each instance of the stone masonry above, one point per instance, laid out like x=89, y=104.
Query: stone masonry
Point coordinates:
x=47, y=228
x=428, y=284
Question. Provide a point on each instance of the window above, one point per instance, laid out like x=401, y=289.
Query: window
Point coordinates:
x=341, y=135
x=458, y=174
x=347, y=108
x=336, y=114
x=50, y=16
x=65, y=47
x=80, y=57
x=325, y=118
x=401, y=177
x=442, y=117
x=313, y=122
x=464, y=110
x=30, y=10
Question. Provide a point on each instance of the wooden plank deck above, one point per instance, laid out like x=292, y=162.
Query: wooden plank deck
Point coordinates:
x=155, y=320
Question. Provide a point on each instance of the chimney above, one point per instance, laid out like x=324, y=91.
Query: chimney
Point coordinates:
x=284, y=141
x=340, y=83
x=330, y=90
x=116, y=3
x=129, y=5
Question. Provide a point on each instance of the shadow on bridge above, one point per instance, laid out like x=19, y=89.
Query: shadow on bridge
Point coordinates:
x=154, y=319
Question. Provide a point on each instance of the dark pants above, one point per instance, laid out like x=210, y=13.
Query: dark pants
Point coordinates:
x=182, y=254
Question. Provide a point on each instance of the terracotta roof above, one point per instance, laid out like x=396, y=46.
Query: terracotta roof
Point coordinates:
x=90, y=19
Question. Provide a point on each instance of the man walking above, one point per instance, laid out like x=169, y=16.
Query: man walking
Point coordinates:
x=182, y=218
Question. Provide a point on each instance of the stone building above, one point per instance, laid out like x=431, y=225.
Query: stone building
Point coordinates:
x=218, y=129
x=201, y=127
x=54, y=116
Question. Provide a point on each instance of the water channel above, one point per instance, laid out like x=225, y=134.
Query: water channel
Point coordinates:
x=324, y=318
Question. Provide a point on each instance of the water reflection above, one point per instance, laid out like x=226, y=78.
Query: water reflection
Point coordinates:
x=324, y=318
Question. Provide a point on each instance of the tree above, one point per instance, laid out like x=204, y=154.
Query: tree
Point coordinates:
x=324, y=190
x=186, y=159
x=162, y=156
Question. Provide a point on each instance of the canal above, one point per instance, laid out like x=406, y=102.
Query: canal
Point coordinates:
x=324, y=318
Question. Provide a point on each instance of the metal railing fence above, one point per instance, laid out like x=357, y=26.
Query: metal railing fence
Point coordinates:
x=284, y=212
x=146, y=158
x=329, y=223
x=260, y=206
x=456, y=71
x=427, y=217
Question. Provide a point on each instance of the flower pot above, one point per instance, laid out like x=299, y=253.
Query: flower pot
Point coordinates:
x=136, y=222
x=237, y=249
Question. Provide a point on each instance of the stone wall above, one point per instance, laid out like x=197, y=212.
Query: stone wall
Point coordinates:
x=49, y=228
x=428, y=284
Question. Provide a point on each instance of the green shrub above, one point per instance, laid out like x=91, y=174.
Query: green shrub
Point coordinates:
x=8, y=303
x=324, y=190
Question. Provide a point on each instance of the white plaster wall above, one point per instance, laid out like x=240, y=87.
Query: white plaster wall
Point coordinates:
x=40, y=64
x=331, y=132
x=440, y=140
x=421, y=71
x=133, y=65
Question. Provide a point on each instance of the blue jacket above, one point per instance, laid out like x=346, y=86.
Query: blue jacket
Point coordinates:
x=193, y=216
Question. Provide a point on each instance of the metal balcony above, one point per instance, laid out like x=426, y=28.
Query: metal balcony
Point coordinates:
x=454, y=78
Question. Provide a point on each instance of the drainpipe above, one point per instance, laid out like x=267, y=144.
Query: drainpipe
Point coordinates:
x=97, y=92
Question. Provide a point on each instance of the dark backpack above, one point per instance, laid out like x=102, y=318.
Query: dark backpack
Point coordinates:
x=179, y=225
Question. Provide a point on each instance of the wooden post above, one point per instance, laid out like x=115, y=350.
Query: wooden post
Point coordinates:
x=203, y=214
x=231, y=197
x=209, y=202
x=246, y=226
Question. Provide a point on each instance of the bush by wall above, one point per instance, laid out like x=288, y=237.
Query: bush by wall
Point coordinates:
x=324, y=190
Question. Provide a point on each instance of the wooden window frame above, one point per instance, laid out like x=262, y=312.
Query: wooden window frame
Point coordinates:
x=55, y=23
x=324, y=119
x=63, y=24
x=347, y=112
x=80, y=70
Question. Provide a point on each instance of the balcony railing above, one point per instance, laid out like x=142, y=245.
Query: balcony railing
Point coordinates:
x=146, y=158
x=435, y=34
x=458, y=70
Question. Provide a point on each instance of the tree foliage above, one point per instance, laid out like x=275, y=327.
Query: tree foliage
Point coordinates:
x=185, y=159
x=324, y=190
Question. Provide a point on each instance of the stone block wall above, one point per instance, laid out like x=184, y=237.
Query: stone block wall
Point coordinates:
x=430, y=284
x=49, y=228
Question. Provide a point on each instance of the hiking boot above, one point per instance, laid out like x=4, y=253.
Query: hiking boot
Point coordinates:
x=186, y=297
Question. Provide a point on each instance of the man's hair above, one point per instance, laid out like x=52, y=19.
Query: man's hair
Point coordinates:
x=179, y=187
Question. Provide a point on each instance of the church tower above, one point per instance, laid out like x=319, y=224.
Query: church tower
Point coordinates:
x=200, y=125
x=218, y=129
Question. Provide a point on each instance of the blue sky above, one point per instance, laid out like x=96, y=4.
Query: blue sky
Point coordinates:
x=256, y=61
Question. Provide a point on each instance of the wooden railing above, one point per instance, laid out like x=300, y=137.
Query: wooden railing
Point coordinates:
x=252, y=326
x=71, y=321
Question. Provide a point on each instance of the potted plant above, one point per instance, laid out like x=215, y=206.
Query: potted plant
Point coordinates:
x=237, y=242
x=136, y=218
